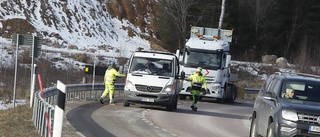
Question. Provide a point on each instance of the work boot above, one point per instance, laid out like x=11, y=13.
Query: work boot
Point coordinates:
x=101, y=101
x=111, y=103
x=194, y=108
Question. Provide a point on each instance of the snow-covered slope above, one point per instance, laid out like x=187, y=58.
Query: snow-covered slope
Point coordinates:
x=82, y=23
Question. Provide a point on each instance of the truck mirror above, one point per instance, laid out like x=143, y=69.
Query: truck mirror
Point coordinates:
x=183, y=75
x=228, y=61
x=178, y=53
x=121, y=69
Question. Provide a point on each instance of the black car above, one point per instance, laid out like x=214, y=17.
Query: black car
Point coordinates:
x=288, y=104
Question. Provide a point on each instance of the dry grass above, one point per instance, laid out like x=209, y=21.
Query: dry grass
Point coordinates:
x=17, y=122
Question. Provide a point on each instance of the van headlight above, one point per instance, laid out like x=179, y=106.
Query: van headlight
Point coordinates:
x=129, y=85
x=168, y=89
x=289, y=115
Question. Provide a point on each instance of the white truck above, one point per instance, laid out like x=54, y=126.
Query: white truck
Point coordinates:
x=209, y=50
x=153, y=78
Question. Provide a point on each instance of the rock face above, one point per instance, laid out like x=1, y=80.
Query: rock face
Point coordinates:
x=281, y=62
x=270, y=59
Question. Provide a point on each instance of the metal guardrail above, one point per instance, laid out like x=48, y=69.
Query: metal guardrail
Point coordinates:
x=251, y=93
x=43, y=108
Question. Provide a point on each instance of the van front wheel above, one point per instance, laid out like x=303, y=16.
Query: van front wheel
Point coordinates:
x=173, y=104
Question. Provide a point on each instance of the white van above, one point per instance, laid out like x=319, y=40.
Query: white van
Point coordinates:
x=153, y=78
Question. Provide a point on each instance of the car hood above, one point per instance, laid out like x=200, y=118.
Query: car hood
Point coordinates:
x=301, y=106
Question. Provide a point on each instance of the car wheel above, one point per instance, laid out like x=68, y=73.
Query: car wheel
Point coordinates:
x=126, y=103
x=253, y=128
x=270, y=131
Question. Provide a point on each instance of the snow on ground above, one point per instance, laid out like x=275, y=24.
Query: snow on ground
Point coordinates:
x=4, y=106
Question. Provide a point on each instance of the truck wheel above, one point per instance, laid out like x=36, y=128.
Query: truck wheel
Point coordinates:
x=231, y=92
x=182, y=97
x=126, y=103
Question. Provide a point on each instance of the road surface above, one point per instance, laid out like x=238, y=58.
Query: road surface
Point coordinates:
x=214, y=119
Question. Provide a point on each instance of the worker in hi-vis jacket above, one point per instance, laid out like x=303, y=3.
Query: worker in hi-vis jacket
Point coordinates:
x=109, y=79
x=197, y=80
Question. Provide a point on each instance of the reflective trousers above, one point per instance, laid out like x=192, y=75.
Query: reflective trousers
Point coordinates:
x=109, y=88
x=195, y=96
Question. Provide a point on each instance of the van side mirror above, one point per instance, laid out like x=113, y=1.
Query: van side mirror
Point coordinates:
x=183, y=75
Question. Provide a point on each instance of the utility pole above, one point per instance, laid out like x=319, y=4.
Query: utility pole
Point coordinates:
x=221, y=16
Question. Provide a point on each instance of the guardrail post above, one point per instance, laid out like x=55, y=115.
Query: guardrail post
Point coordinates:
x=59, y=109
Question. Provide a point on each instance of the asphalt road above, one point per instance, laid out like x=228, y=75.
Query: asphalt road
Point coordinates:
x=92, y=119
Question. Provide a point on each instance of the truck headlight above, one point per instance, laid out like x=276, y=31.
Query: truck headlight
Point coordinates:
x=129, y=85
x=289, y=115
x=216, y=87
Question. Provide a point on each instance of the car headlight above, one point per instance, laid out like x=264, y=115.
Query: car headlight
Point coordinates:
x=289, y=115
x=129, y=85
x=168, y=89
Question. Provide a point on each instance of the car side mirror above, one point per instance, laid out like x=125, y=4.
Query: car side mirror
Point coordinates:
x=270, y=96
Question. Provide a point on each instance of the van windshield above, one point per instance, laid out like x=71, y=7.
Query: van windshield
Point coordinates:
x=151, y=66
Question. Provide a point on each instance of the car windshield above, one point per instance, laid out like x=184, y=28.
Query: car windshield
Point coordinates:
x=208, y=60
x=151, y=66
x=304, y=91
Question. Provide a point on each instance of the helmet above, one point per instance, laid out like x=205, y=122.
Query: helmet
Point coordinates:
x=199, y=69
x=112, y=64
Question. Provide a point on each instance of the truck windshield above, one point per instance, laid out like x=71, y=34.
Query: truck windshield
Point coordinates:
x=151, y=66
x=207, y=60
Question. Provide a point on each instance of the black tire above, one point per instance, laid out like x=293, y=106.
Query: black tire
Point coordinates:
x=233, y=93
x=253, y=128
x=173, y=104
x=270, y=131
x=126, y=103
x=176, y=103
x=182, y=97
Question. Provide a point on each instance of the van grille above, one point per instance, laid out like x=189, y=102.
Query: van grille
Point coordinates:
x=308, y=118
x=145, y=88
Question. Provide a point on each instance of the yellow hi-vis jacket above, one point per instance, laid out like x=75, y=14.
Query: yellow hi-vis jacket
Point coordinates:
x=196, y=78
x=110, y=76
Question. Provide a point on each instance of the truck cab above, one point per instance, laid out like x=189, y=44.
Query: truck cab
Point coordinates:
x=153, y=78
x=210, y=52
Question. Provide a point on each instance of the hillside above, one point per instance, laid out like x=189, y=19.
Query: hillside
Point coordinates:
x=81, y=24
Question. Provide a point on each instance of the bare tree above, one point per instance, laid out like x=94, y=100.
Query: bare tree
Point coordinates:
x=178, y=10
x=294, y=27
x=258, y=10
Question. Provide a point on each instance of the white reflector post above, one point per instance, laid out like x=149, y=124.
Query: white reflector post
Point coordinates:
x=59, y=109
